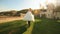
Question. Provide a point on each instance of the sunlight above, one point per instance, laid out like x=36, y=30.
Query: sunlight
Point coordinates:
x=58, y=21
x=37, y=3
x=51, y=1
x=43, y=3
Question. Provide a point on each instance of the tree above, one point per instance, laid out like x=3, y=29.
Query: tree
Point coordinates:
x=57, y=9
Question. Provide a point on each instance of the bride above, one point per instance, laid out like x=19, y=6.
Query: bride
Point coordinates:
x=29, y=16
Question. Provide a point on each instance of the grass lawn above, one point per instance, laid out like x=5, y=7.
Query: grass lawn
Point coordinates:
x=40, y=26
x=14, y=27
x=46, y=26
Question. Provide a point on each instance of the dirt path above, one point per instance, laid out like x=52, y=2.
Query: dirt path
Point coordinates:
x=7, y=19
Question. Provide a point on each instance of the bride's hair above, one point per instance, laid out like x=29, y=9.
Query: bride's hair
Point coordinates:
x=30, y=9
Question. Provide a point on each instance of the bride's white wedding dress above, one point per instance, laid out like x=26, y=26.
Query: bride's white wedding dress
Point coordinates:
x=29, y=16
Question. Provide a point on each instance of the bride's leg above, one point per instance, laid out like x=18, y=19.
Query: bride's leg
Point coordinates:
x=28, y=23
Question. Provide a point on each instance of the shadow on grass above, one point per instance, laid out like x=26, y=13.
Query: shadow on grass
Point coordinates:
x=46, y=26
x=15, y=27
x=19, y=30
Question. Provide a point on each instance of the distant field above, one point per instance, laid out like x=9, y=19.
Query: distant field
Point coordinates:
x=40, y=26
x=8, y=19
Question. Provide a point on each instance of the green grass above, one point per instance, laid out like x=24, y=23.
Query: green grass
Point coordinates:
x=46, y=26
x=14, y=27
x=40, y=26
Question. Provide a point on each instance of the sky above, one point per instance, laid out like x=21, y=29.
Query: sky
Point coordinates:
x=20, y=4
x=58, y=2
